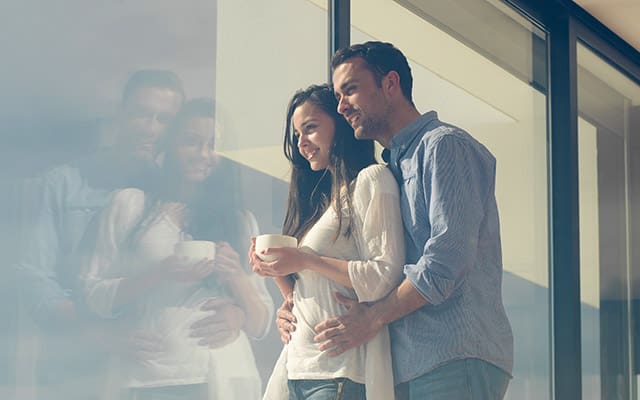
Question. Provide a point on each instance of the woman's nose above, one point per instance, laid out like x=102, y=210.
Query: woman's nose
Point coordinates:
x=303, y=141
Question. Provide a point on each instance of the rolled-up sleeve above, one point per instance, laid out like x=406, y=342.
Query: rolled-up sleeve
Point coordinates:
x=378, y=233
x=102, y=273
x=455, y=189
x=35, y=273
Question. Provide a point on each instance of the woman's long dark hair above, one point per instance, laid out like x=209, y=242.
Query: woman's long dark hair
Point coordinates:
x=215, y=209
x=312, y=192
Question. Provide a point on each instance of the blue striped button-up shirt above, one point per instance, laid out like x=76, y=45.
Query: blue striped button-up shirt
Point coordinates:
x=452, y=236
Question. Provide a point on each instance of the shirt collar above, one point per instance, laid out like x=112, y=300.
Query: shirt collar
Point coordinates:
x=407, y=134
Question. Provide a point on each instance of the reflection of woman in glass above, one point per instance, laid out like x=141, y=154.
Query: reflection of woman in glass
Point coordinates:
x=185, y=319
x=344, y=210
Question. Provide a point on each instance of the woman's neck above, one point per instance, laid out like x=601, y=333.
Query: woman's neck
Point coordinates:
x=181, y=190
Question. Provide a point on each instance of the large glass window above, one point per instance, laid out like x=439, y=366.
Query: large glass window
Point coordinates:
x=74, y=134
x=482, y=67
x=608, y=138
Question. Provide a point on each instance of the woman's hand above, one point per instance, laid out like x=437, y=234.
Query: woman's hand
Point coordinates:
x=227, y=263
x=253, y=257
x=181, y=269
x=288, y=260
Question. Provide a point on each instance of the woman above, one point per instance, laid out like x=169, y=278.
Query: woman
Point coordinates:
x=344, y=210
x=185, y=319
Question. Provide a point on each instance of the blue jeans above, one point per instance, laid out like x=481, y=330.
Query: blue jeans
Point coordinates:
x=466, y=379
x=325, y=389
x=178, y=392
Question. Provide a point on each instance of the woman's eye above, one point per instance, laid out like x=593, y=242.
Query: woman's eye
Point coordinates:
x=189, y=142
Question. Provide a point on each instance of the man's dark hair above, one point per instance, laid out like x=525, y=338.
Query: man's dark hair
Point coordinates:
x=381, y=58
x=152, y=78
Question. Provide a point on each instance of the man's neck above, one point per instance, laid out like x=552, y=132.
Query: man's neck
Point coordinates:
x=116, y=169
x=400, y=118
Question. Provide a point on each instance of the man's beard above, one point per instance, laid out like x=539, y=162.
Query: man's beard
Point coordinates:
x=372, y=128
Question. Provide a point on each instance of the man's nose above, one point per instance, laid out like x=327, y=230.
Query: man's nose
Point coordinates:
x=154, y=126
x=205, y=152
x=342, y=105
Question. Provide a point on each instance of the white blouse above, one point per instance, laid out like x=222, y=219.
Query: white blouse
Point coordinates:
x=375, y=254
x=168, y=312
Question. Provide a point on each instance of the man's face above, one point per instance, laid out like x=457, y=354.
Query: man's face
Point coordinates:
x=145, y=118
x=360, y=100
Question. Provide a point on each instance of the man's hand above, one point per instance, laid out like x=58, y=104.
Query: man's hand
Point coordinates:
x=222, y=326
x=339, y=334
x=142, y=346
x=285, y=320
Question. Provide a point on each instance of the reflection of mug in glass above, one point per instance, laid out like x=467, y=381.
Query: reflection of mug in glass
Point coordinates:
x=198, y=250
x=195, y=250
x=273, y=240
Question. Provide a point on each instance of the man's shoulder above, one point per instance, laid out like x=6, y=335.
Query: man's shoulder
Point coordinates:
x=451, y=135
x=73, y=179
x=443, y=131
x=58, y=175
x=74, y=168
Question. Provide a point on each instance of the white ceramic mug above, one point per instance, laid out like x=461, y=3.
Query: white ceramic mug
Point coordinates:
x=195, y=250
x=273, y=240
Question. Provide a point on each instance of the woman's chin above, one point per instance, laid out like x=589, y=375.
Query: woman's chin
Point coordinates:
x=317, y=167
x=196, y=177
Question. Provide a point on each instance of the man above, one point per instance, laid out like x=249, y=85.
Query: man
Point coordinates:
x=69, y=196
x=450, y=335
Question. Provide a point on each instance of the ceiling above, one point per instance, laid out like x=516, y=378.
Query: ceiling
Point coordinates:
x=621, y=16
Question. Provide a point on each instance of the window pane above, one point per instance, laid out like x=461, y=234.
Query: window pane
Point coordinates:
x=75, y=134
x=497, y=93
x=608, y=105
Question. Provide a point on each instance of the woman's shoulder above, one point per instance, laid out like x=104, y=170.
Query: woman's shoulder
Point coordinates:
x=377, y=174
x=130, y=199
x=373, y=181
x=128, y=195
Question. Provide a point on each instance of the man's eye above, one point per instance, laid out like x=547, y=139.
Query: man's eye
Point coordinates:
x=164, y=119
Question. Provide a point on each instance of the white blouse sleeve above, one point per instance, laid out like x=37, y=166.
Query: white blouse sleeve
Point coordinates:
x=378, y=233
x=250, y=230
x=101, y=274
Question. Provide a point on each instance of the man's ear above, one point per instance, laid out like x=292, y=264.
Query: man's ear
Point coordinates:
x=391, y=83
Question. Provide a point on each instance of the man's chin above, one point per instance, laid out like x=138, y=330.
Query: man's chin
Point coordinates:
x=360, y=134
x=145, y=156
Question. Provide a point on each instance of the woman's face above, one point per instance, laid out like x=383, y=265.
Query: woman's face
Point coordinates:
x=315, y=130
x=195, y=149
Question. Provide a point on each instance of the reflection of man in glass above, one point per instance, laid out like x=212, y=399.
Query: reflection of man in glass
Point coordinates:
x=70, y=196
x=188, y=317
x=450, y=335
